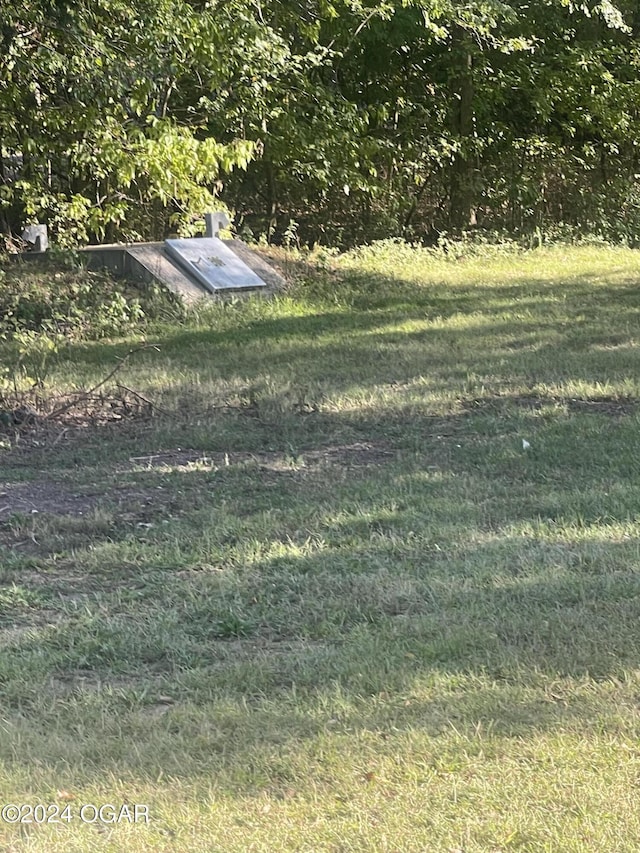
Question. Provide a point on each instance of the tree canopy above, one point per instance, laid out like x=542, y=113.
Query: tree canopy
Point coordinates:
x=342, y=120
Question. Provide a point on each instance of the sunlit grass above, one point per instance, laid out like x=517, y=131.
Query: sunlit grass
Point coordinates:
x=326, y=599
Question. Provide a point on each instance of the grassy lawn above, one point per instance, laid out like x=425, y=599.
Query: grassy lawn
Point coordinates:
x=325, y=599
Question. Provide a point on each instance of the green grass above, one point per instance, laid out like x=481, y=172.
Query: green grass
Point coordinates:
x=324, y=600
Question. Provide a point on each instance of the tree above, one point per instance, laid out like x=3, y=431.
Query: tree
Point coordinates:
x=103, y=132
x=345, y=120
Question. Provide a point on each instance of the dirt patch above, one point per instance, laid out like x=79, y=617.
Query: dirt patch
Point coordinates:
x=355, y=455
x=44, y=496
x=603, y=406
x=60, y=499
x=351, y=455
x=612, y=406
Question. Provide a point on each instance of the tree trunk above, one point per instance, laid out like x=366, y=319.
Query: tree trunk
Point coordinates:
x=461, y=207
x=272, y=199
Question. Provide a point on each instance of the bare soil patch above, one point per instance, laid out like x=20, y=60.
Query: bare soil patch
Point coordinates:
x=612, y=406
x=351, y=455
x=45, y=496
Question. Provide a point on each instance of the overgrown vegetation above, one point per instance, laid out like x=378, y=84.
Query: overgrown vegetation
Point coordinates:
x=47, y=306
x=325, y=598
x=59, y=295
x=331, y=120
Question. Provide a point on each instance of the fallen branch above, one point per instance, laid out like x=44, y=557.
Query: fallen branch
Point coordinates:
x=136, y=395
x=86, y=394
x=61, y=435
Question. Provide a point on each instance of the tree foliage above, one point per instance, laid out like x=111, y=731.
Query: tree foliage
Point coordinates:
x=346, y=119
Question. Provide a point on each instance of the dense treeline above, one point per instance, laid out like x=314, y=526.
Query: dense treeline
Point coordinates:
x=331, y=120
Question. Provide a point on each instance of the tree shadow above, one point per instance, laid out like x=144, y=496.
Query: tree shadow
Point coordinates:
x=374, y=569
x=383, y=588
x=496, y=332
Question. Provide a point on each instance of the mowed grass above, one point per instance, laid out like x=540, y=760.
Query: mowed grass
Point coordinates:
x=325, y=599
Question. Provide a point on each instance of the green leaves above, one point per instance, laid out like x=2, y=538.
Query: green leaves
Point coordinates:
x=124, y=120
x=101, y=117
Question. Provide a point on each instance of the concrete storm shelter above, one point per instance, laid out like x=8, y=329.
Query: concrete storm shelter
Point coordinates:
x=192, y=267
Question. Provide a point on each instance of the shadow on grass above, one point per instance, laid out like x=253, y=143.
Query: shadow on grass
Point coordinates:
x=509, y=661
x=393, y=331
x=268, y=596
x=306, y=573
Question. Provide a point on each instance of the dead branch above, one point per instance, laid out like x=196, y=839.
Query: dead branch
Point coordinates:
x=135, y=394
x=86, y=394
